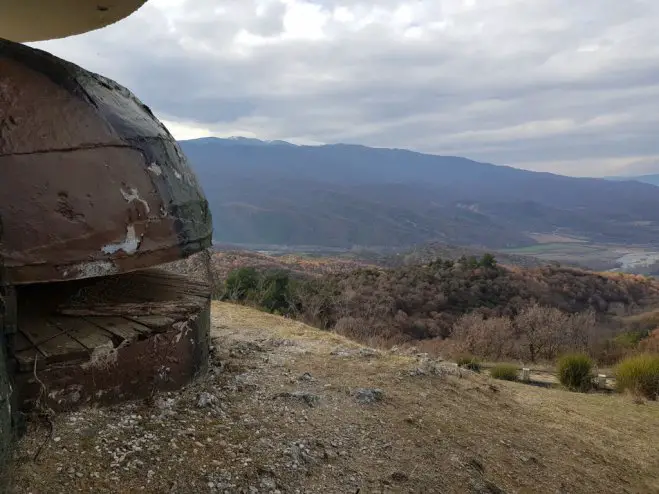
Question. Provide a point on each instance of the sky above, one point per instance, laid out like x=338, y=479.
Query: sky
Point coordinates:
x=565, y=86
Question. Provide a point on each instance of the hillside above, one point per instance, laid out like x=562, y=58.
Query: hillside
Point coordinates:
x=425, y=253
x=345, y=195
x=282, y=411
x=299, y=265
x=224, y=262
x=448, y=307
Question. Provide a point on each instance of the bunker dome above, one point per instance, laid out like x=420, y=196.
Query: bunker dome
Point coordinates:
x=38, y=20
x=95, y=193
x=91, y=183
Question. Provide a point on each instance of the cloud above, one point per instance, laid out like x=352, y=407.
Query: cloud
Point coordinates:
x=553, y=85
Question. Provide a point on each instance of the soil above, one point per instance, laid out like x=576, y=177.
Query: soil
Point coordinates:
x=288, y=408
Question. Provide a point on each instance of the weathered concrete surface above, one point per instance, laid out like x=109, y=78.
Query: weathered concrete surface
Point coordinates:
x=91, y=183
x=132, y=370
x=7, y=397
x=37, y=20
x=109, y=340
x=6, y=425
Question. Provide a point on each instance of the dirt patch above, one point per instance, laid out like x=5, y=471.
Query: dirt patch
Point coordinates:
x=279, y=412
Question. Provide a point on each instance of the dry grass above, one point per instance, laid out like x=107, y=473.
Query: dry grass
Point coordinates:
x=433, y=431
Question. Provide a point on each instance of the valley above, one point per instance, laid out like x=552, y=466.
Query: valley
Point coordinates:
x=369, y=203
x=623, y=258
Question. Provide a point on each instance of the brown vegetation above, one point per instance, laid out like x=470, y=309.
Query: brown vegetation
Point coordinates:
x=225, y=262
x=452, y=307
x=495, y=312
x=535, y=333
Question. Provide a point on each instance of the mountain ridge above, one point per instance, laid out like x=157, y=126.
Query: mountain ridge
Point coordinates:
x=651, y=178
x=341, y=195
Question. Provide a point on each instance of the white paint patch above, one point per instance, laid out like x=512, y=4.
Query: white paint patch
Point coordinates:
x=129, y=245
x=155, y=169
x=90, y=269
x=183, y=328
x=104, y=356
x=134, y=195
x=70, y=394
x=8, y=398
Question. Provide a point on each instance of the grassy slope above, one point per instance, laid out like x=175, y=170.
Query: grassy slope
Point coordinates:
x=431, y=433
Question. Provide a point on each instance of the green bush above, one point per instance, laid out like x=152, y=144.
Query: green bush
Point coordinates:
x=640, y=375
x=275, y=293
x=241, y=284
x=469, y=362
x=506, y=372
x=630, y=339
x=575, y=372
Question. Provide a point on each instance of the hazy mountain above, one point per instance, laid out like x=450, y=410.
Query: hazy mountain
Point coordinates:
x=648, y=179
x=273, y=192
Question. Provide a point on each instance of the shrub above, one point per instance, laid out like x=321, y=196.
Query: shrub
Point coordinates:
x=469, y=362
x=241, y=283
x=651, y=343
x=506, y=372
x=640, y=375
x=575, y=371
x=274, y=294
x=630, y=339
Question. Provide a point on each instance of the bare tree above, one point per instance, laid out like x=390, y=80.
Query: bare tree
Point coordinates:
x=581, y=330
x=541, y=331
x=492, y=337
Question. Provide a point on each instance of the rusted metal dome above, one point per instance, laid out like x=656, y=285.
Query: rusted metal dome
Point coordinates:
x=37, y=20
x=91, y=183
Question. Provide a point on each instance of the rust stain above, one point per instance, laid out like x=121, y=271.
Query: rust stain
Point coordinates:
x=91, y=183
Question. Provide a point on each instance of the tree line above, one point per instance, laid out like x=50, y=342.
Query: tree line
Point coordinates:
x=470, y=305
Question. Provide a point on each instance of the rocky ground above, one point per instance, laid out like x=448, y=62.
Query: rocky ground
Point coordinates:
x=287, y=408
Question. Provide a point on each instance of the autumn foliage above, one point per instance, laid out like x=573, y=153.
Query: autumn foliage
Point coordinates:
x=472, y=305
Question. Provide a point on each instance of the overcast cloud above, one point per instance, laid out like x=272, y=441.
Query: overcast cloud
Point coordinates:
x=558, y=85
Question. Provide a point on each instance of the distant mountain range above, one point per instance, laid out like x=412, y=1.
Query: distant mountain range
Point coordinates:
x=647, y=179
x=275, y=192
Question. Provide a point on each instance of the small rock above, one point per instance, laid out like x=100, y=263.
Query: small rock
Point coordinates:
x=165, y=404
x=306, y=377
x=399, y=477
x=205, y=400
x=369, y=395
x=329, y=454
x=268, y=482
x=309, y=398
x=341, y=352
x=368, y=352
x=477, y=465
x=300, y=455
